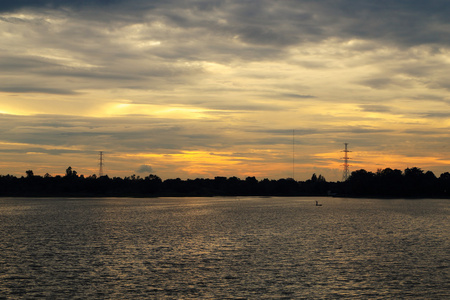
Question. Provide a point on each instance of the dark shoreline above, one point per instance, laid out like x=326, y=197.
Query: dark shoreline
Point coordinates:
x=217, y=196
x=390, y=184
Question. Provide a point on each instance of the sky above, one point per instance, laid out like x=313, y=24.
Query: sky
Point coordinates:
x=205, y=88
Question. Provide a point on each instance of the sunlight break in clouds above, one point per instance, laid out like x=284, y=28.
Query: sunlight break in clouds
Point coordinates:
x=215, y=88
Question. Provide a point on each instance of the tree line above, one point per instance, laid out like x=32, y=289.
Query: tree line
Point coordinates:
x=412, y=182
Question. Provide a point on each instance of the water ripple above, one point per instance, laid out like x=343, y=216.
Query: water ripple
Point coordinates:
x=254, y=248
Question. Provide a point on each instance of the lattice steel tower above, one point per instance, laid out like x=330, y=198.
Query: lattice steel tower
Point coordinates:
x=346, y=172
x=293, y=154
x=100, y=171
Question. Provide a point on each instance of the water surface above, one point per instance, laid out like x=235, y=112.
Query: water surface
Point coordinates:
x=224, y=248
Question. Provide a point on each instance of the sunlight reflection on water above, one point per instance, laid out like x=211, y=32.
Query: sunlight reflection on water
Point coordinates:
x=224, y=248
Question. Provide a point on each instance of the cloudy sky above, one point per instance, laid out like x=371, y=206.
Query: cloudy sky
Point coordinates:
x=208, y=88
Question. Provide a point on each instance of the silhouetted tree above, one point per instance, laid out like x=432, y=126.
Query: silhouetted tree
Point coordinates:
x=30, y=174
x=389, y=182
x=70, y=173
x=361, y=182
x=386, y=182
x=321, y=178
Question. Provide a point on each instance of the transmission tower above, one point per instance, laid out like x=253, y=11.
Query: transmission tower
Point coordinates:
x=293, y=154
x=345, y=174
x=100, y=171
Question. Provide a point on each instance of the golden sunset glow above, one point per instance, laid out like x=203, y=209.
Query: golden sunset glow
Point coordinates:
x=210, y=89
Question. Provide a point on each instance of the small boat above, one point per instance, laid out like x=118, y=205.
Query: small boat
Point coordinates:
x=318, y=204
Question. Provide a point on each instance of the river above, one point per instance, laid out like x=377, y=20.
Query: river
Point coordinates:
x=224, y=248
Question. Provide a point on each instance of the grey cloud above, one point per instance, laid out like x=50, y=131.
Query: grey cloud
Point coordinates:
x=283, y=23
x=208, y=31
x=401, y=22
x=429, y=97
x=314, y=64
x=425, y=133
x=438, y=115
x=118, y=133
x=20, y=63
x=289, y=132
x=377, y=83
x=299, y=96
x=40, y=150
x=417, y=70
x=405, y=22
x=387, y=81
x=375, y=108
x=144, y=169
x=440, y=83
x=87, y=40
x=362, y=130
x=11, y=5
x=140, y=133
x=42, y=90
x=235, y=105
x=324, y=131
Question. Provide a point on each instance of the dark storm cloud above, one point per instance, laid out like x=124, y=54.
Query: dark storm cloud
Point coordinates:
x=101, y=47
x=10, y=5
x=292, y=22
x=401, y=21
x=282, y=23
